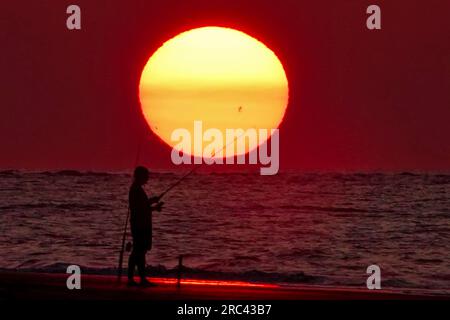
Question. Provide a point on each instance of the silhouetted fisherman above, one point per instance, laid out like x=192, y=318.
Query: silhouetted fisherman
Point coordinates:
x=141, y=208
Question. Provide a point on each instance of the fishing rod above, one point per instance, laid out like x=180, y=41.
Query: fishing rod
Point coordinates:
x=122, y=250
x=178, y=182
x=194, y=169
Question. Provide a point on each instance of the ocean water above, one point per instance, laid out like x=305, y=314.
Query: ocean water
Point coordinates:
x=323, y=229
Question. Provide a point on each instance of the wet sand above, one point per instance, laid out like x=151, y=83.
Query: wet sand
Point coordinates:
x=43, y=286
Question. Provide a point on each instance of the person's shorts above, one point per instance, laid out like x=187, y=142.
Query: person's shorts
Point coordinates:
x=142, y=241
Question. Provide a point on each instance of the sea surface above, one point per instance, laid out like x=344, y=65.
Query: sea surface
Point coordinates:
x=319, y=229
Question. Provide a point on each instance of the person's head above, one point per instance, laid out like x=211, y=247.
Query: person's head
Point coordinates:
x=141, y=175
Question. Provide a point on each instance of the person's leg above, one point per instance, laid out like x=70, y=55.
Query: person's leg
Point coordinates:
x=131, y=264
x=139, y=249
x=140, y=261
x=143, y=275
x=142, y=246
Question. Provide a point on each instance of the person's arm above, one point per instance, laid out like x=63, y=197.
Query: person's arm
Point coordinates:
x=153, y=200
x=158, y=206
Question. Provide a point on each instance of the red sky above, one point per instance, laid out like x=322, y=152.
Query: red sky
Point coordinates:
x=359, y=99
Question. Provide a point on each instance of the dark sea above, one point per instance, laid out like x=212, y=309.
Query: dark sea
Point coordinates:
x=318, y=229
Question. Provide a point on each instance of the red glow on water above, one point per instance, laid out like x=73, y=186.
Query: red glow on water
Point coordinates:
x=223, y=283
